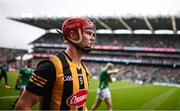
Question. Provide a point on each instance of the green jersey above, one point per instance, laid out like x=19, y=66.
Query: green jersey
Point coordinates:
x=104, y=79
x=25, y=75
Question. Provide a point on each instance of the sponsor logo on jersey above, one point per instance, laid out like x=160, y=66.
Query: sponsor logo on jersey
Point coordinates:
x=67, y=78
x=78, y=99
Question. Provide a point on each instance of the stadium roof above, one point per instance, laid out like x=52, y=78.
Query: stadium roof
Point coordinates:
x=152, y=24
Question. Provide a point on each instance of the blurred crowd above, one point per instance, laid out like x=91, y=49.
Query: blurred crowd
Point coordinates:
x=138, y=40
x=128, y=72
x=148, y=74
x=10, y=54
x=133, y=73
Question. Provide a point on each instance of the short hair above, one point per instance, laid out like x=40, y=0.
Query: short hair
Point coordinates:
x=108, y=65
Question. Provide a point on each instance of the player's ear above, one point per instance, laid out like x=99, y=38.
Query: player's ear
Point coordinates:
x=72, y=35
x=65, y=40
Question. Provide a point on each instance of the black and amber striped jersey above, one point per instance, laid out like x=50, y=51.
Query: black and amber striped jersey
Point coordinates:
x=62, y=83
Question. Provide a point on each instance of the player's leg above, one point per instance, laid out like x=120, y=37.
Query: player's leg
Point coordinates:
x=99, y=99
x=0, y=77
x=108, y=102
x=6, y=81
x=5, y=78
x=96, y=104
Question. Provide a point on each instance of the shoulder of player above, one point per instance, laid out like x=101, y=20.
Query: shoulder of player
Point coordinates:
x=44, y=62
x=45, y=66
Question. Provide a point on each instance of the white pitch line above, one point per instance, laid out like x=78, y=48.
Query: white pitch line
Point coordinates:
x=8, y=97
x=154, y=103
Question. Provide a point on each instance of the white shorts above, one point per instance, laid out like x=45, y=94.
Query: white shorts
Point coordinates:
x=103, y=93
x=22, y=87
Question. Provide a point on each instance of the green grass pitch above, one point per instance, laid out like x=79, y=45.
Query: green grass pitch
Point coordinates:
x=125, y=96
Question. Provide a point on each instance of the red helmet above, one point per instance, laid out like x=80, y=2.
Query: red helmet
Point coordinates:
x=76, y=24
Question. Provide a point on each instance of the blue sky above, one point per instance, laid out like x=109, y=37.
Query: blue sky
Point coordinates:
x=18, y=35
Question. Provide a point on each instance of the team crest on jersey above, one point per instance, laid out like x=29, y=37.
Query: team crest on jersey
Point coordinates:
x=78, y=99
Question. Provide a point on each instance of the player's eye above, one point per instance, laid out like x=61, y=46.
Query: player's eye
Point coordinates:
x=90, y=33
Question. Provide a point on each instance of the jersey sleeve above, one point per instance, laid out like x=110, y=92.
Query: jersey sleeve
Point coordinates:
x=21, y=71
x=42, y=80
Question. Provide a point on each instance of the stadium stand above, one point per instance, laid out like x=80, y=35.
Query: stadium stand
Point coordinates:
x=10, y=54
x=151, y=57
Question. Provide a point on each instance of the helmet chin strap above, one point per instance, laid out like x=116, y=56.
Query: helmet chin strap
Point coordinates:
x=85, y=50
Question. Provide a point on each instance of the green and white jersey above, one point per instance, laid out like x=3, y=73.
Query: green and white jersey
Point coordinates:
x=104, y=79
x=25, y=75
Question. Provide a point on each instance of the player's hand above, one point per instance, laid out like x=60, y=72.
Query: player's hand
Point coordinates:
x=115, y=71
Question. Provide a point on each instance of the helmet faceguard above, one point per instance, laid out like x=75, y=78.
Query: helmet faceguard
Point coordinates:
x=77, y=25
